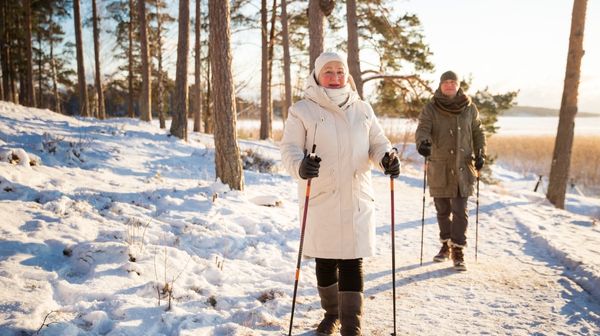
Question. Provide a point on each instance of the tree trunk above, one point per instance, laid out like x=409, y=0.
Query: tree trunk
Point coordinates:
x=14, y=66
x=561, y=159
x=57, y=104
x=40, y=65
x=285, y=41
x=5, y=52
x=208, y=116
x=265, y=89
x=30, y=93
x=180, y=110
x=100, y=94
x=2, y=76
x=130, y=95
x=353, y=51
x=227, y=153
x=197, y=69
x=270, y=69
x=19, y=55
x=160, y=85
x=146, y=94
x=316, y=21
x=82, y=87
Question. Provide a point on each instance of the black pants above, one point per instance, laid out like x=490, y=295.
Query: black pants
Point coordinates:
x=350, y=273
x=452, y=218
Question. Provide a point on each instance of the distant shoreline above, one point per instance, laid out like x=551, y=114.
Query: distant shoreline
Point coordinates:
x=532, y=111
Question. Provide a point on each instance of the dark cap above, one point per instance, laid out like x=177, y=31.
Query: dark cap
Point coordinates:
x=449, y=75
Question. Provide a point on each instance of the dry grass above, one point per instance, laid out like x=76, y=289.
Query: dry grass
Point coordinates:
x=533, y=155
x=523, y=154
x=253, y=134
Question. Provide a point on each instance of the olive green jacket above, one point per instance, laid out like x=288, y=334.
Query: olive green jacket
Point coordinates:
x=456, y=139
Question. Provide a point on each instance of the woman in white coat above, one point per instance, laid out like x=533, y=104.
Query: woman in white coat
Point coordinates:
x=340, y=228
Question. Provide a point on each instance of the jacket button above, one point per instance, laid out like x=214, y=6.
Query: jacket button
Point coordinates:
x=452, y=151
x=461, y=169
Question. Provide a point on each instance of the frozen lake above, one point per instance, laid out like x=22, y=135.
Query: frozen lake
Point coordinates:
x=507, y=125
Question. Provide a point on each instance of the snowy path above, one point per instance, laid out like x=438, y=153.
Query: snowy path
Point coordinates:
x=513, y=289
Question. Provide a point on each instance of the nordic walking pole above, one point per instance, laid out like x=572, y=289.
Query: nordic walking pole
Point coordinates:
x=423, y=212
x=477, y=211
x=393, y=247
x=301, y=244
x=477, y=217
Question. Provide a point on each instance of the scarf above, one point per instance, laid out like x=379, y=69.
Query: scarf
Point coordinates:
x=338, y=96
x=454, y=105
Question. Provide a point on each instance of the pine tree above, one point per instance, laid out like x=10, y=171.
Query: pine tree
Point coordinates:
x=83, y=97
x=5, y=52
x=266, y=116
x=146, y=93
x=561, y=158
x=130, y=58
x=353, y=48
x=29, y=91
x=227, y=153
x=285, y=43
x=161, y=19
x=316, y=20
x=180, y=111
x=99, y=91
x=197, y=107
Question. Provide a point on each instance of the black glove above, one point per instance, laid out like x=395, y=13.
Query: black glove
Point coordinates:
x=424, y=148
x=391, y=164
x=309, y=167
x=479, y=161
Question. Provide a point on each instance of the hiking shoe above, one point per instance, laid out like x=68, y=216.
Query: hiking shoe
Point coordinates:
x=444, y=253
x=459, y=259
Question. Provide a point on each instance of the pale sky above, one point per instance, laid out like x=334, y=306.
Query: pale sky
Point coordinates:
x=503, y=44
x=512, y=44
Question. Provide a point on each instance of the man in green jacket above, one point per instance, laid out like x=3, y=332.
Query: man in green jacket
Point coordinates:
x=450, y=136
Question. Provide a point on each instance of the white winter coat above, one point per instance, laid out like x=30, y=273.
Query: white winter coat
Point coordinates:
x=340, y=220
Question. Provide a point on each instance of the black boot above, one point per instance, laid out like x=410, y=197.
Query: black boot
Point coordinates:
x=458, y=258
x=350, y=312
x=329, y=302
x=444, y=253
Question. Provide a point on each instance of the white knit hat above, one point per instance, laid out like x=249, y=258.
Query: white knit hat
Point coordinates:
x=327, y=57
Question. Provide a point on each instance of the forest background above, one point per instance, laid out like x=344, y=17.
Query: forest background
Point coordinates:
x=140, y=69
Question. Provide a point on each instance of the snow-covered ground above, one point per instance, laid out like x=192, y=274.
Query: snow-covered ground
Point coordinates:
x=117, y=215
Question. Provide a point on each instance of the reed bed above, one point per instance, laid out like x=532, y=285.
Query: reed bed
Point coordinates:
x=533, y=155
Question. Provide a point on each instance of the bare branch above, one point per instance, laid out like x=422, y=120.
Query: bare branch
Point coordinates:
x=410, y=79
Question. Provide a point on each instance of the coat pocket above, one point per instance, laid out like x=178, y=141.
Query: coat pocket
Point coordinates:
x=437, y=173
x=471, y=171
